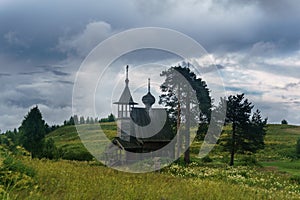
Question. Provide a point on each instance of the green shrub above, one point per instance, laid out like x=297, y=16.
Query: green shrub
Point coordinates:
x=50, y=151
x=12, y=164
x=14, y=175
x=206, y=159
x=248, y=161
x=295, y=179
x=77, y=154
x=298, y=147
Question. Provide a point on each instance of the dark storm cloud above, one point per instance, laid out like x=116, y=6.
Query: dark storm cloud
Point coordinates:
x=30, y=73
x=26, y=102
x=53, y=69
x=218, y=24
x=39, y=25
x=57, y=35
x=4, y=75
x=60, y=81
x=58, y=71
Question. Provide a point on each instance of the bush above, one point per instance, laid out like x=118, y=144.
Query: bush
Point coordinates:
x=11, y=164
x=295, y=179
x=50, y=151
x=201, y=131
x=249, y=161
x=284, y=122
x=206, y=159
x=298, y=147
x=77, y=154
x=14, y=175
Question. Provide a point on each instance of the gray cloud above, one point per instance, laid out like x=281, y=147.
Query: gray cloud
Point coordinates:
x=41, y=49
x=85, y=41
x=58, y=71
x=4, y=75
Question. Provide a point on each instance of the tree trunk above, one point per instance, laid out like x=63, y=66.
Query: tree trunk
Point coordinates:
x=232, y=146
x=187, y=131
x=179, y=141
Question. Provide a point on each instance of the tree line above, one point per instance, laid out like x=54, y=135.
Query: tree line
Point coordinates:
x=74, y=120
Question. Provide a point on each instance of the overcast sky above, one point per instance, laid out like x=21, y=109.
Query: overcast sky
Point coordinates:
x=43, y=43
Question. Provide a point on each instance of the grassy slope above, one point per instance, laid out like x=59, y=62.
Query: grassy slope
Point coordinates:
x=82, y=180
x=280, y=145
x=67, y=137
x=79, y=180
x=281, y=148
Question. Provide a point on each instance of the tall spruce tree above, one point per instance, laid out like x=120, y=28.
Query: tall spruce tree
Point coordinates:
x=33, y=132
x=76, y=120
x=111, y=118
x=247, y=135
x=82, y=121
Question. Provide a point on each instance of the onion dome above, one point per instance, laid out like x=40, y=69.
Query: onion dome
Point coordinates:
x=148, y=99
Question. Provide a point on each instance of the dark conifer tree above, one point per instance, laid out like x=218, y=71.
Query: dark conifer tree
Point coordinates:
x=111, y=118
x=82, y=121
x=87, y=121
x=33, y=131
x=76, y=120
x=71, y=121
x=247, y=135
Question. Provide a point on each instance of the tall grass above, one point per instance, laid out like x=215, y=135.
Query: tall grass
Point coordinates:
x=212, y=180
x=82, y=180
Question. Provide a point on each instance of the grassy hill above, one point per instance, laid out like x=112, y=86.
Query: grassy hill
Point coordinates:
x=67, y=140
x=280, y=150
x=275, y=177
x=280, y=143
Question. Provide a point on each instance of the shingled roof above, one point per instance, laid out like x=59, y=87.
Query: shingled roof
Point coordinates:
x=126, y=97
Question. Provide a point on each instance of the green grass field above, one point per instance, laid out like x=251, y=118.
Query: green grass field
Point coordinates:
x=82, y=180
x=276, y=176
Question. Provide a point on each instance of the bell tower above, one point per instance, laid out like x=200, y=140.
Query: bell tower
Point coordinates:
x=125, y=105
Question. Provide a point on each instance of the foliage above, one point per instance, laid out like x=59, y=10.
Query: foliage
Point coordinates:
x=75, y=119
x=206, y=159
x=33, y=131
x=50, y=151
x=298, y=147
x=14, y=175
x=82, y=121
x=295, y=179
x=110, y=118
x=49, y=129
x=187, y=100
x=80, y=154
x=181, y=83
x=246, y=135
x=249, y=161
x=284, y=122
